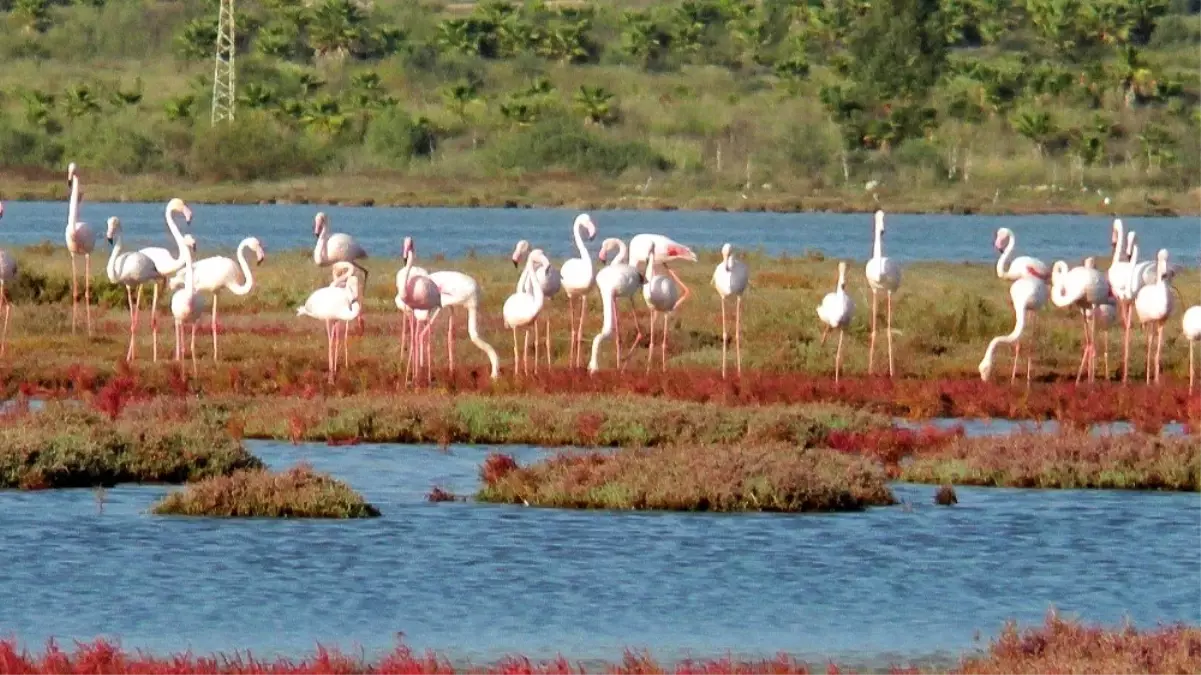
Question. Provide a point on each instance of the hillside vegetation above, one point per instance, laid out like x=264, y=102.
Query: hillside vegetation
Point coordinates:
x=784, y=104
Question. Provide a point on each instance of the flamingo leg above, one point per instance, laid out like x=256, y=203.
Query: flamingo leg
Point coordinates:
x=192, y=349
x=637, y=327
x=74, y=292
x=1034, y=344
x=450, y=339
x=650, y=354
x=516, y=354
x=1191, y=377
x=329, y=349
x=572, y=347
x=838, y=357
x=725, y=337
x=548, y=358
x=616, y=332
x=889, y=336
x=1106, y=353
x=1017, y=357
x=345, y=345
x=8, y=310
x=409, y=319
x=663, y=348
x=1127, y=318
x=871, y=349
x=1150, y=341
x=1084, y=355
x=684, y=290
x=429, y=353
x=153, y=318
x=738, y=332
x=825, y=333
x=525, y=353
x=579, y=352
x=134, y=305
x=87, y=289
x=1158, y=350
x=534, y=324
x=213, y=321
x=1092, y=346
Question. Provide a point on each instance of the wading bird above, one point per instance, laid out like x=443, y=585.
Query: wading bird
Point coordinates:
x=550, y=280
x=8, y=274
x=577, y=277
x=1012, y=269
x=186, y=306
x=883, y=274
x=667, y=250
x=1082, y=288
x=521, y=309
x=332, y=304
x=342, y=272
x=406, y=311
x=81, y=241
x=460, y=290
x=419, y=293
x=1029, y=295
x=662, y=295
x=1154, y=306
x=165, y=264
x=1191, y=323
x=337, y=247
x=617, y=279
x=129, y=269
x=835, y=312
x=219, y=272
x=731, y=277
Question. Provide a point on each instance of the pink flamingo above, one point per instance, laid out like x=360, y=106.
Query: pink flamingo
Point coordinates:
x=81, y=240
x=8, y=274
x=577, y=278
x=331, y=304
x=419, y=293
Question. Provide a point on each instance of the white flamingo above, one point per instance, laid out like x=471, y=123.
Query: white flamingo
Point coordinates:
x=421, y=294
x=551, y=282
x=219, y=272
x=521, y=309
x=1104, y=316
x=406, y=311
x=1029, y=294
x=81, y=240
x=460, y=290
x=835, y=312
x=342, y=272
x=8, y=274
x=1083, y=288
x=337, y=247
x=1191, y=323
x=662, y=295
x=731, y=277
x=1154, y=305
x=332, y=304
x=667, y=250
x=617, y=279
x=129, y=269
x=577, y=277
x=1012, y=269
x=186, y=306
x=165, y=264
x=883, y=274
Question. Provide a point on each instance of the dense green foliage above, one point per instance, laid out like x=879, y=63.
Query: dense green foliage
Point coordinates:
x=718, y=94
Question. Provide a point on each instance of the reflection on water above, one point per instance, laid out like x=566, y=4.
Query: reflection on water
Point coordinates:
x=479, y=580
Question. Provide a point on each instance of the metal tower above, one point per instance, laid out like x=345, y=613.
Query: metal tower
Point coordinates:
x=223, y=65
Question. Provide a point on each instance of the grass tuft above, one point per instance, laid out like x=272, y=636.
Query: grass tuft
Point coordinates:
x=299, y=492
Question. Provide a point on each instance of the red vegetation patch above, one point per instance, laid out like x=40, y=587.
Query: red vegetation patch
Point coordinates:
x=496, y=466
x=889, y=445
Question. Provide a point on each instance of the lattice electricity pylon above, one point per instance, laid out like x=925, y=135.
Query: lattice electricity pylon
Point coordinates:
x=223, y=66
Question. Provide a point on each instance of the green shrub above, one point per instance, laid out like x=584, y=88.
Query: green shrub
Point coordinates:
x=565, y=143
x=254, y=147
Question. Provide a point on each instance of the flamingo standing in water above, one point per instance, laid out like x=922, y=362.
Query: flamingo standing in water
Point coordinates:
x=551, y=280
x=1154, y=306
x=217, y=272
x=332, y=304
x=883, y=274
x=577, y=277
x=835, y=312
x=521, y=309
x=731, y=277
x=337, y=247
x=8, y=274
x=165, y=264
x=662, y=295
x=1191, y=323
x=1029, y=294
x=186, y=306
x=1083, y=288
x=419, y=293
x=1012, y=269
x=129, y=269
x=81, y=240
x=617, y=279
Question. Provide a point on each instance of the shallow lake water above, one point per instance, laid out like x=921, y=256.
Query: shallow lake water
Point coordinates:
x=477, y=580
x=455, y=231
x=1000, y=427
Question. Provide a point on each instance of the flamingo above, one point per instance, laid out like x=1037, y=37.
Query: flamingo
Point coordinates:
x=342, y=271
x=1029, y=294
x=217, y=272
x=883, y=274
x=617, y=279
x=667, y=250
x=419, y=293
x=8, y=274
x=1012, y=269
x=577, y=278
x=551, y=281
x=459, y=290
x=1191, y=323
x=1154, y=305
x=331, y=304
x=165, y=264
x=81, y=240
x=1105, y=317
x=337, y=247
x=835, y=312
x=1083, y=288
x=662, y=295
x=399, y=299
x=129, y=269
x=186, y=306
x=521, y=309
x=731, y=277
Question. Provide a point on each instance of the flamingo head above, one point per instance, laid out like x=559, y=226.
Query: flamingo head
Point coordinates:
x=319, y=223
x=726, y=249
x=1090, y=263
x=603, y=254
x=584, y=220
x=177, y=205
x=880, y=221
x=985, y=369
x=190, y=242
x=538, y=257
x=521, y=249
x=1115, y=230
x=70, y=173
x=257, y=246
x=406, y=249
x=114, y=226
x=1002, y=238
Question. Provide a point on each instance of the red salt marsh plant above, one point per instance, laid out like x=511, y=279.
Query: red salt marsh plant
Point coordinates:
x=299, y=492
x=889, y=445
x=780, y=478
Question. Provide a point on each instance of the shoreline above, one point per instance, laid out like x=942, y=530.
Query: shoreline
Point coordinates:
x=557, y=191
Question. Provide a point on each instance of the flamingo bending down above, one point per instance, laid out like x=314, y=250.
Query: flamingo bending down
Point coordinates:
x=883, y=274
x=8, y=274
x=550, y=280
x=1191, y=323
x=217, y=272
x=1029, y=294
x=666, y=250
x=662, y=295
x=1083, y=288
x=577, y=277
x=81, y=240
x=835, y=312
x=419, y=293
x=731, y=277
x=617, y=279
x=1012, y=269
x=521, y=309
x=1154, y=306
x=331, y=304
x=459, y=290
x=129, y=269
x=165, y=264
x=186, y=306
x=337, y=247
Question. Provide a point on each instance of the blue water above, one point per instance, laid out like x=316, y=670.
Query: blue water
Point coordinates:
x=479, y=580
x=453, y=232
x=1000, y=427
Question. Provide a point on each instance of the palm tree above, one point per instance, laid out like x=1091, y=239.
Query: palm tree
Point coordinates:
x=1036, y=125
x=596, y=104
x=179, y=108
x=81, y=101
x=129, y=98
x=336, y=28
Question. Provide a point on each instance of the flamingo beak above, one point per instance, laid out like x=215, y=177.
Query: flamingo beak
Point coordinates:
x=515, y=262
x=642, y=278
x=110, y=240
x=187, y=215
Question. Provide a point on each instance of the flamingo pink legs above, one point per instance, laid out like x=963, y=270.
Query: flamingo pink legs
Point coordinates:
x=87, y=280
x=4, y=302
x=1127, y=317
x=663, y=346
x=725, y=335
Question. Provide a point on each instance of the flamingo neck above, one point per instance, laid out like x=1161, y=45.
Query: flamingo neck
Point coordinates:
x=319, y=248
x=650, y=266
x=1133, y=278
x=1119, y=247
x=244, y=287
x=473, y=332
x=406, y=292
x=189, y=278
x=1002, y=262
x=1018, y=326
x=73, y=205
x=623, y=252
x=112, y=258
x=842, y=280
x=579, y=244
x=878, y=246
x=173, y=228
